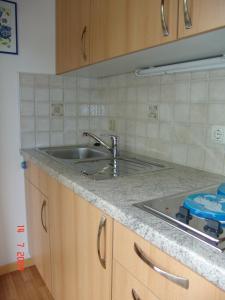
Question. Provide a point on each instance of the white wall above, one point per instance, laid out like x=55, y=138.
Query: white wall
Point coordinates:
x=36, y=55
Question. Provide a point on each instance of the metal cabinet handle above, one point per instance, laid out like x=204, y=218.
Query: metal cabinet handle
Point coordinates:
x=183, y=282
x=187, y=17
x=102, y=224
x=163, y=19
x=135, y=295
x=44, y=203
x=83, y=44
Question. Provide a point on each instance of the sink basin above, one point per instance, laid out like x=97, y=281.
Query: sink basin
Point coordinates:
x=75, y=152
x=101, y=169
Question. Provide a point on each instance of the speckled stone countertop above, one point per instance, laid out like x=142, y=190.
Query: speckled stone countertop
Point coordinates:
x=116, y=196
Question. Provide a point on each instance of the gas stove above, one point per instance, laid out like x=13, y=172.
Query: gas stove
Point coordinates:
x=172, y=210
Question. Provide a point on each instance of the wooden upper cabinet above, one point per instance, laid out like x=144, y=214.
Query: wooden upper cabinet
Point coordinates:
x=119, y=27
x=72, y=34
x=198, y=16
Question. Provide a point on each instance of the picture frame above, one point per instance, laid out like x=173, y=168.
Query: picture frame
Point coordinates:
x=8, y=27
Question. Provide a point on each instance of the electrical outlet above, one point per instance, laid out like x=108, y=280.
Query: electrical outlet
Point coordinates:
x=57, y=110
x=218, y=134
x=153, y=112
x=112, y=125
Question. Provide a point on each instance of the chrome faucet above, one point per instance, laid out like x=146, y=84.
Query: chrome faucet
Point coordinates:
x=113, y=149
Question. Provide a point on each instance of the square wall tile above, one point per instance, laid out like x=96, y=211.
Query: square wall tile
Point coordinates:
x=199, y=91
x=69, y=95
x=70, y=109
x=42, y=124
x=42, y=109
x=70, y=137
x=179, y=153
x=57, y=124
x=69, y=124
x=217, y=90
x=56, y=138
x=42, y=94
x=27, y=93
x=42, y=139
x=28, y=140
x=165, y=112
x=56, y=95
x=216, y=114
x=181, y=112
x=195, y=157
x=27, y=108
x=27, y=124
x=198, y=113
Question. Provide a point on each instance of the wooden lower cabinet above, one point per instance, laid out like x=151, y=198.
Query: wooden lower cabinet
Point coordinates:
x=38, y=231
x=163, y=288
x=126, y=287
x=62, y=240
x=76, y=270
x=71, y=241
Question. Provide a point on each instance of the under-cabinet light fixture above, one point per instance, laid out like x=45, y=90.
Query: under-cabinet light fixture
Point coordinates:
x=212, y=63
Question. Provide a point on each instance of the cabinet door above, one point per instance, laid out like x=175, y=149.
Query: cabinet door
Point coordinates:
x=72, y=34
x=29, y=213
x=123, y=26
x=197, y=16
x=93, y=259
x=38, y=233
x=62, y=221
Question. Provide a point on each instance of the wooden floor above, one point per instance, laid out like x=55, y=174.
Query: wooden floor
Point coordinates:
x=26, y=285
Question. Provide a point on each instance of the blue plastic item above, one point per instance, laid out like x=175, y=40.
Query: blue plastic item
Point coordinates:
x=207, y=206
x=24, y=165
x=221, y=190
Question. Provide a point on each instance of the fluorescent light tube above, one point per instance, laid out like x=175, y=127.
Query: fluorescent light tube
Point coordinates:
x=190, y=66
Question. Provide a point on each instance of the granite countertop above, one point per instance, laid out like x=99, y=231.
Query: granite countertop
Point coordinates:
x=116, y=196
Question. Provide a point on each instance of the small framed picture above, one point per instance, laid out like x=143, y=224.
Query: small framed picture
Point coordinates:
x=8, y=27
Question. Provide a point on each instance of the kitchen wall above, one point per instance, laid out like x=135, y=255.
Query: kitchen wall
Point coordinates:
x=36, y=54
x=168, y=117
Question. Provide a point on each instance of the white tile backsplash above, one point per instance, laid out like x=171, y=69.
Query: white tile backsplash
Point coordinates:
x=189, y=104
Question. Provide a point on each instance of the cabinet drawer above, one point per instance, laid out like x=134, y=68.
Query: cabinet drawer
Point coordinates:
x=126, y=287
x=141, y=263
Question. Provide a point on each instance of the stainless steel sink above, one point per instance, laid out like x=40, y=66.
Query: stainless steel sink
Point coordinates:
x=98, y=163
x=75, y=152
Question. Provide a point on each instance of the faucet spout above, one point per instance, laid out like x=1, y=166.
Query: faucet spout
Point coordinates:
x=113, y=149
x=97, y=139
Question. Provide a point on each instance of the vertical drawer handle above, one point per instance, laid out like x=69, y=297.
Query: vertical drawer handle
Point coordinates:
x=83, y=44
x=187, y=17
x=183, y=282
x=42, y=210
x=135, y=295
x=102, y=225
x=163, y=19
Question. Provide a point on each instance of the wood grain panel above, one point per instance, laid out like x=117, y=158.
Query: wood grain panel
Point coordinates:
x=124, y=26
x=71, y=18
x=63, y=244
x=206, y=15
x=92, y=281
